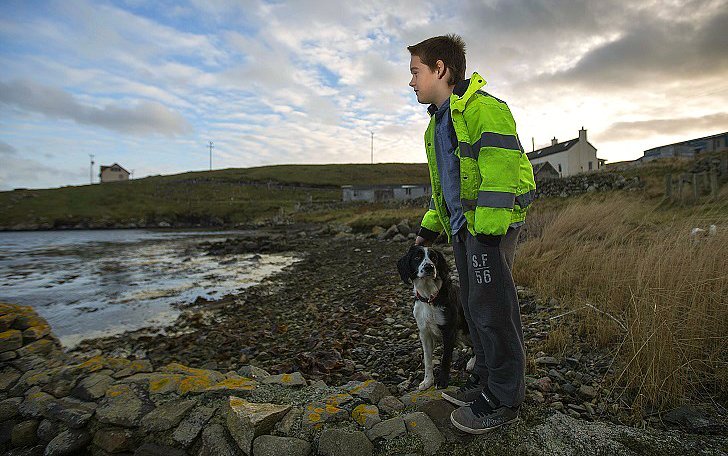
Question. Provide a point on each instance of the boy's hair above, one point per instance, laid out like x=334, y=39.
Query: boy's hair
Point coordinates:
x=449, y=48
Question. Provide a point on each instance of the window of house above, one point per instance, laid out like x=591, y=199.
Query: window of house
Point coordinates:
x=407, y=191
x=559, y=167
x=590, y=166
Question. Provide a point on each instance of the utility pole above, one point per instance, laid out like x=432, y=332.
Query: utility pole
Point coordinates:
x=91, y=169
x=211, y=146
x=372, y=147
x=132, y=174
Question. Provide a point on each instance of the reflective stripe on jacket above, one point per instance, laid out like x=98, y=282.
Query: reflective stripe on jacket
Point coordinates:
x=496, y=178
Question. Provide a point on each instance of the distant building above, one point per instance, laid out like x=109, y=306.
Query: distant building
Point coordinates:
x=113, y=173
x=373, y=193
x=569, y=157
x=544, y=171
x=688, y=149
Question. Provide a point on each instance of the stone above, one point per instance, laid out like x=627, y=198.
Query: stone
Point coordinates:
x=190, y=427
x=247, y=420
x=122, y=406
x=439, y=412
x=35, y=404
x=8, y=377
x=369, y=390
x=543, y=384
x=6, y=321
x=26, y=321
x=48, y=429
x=294, y=379
x=153, y=449
x=694, y=419
x=8, y=356
x=587, y=391
x=253, y=372
x=317, y=413
x=269, y=445
x=285, y=426
x=114, y=440
x=215, y=442
x=390, y=404
x=74, y=413
x=167, y=415
x=419, y=398
x=134, y=367
x=366, y=415
x=36, y=332
x=68, y=442
x=420, y=424
x=547, y=361
x=340, y=442
x=11, y=339
x=387, y=429
x=24, y=433
x=39, y=347
x=31, y=378
x=9, y=408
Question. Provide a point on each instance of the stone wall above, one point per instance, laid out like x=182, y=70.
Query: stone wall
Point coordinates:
x=53, y=404
x=585, y=183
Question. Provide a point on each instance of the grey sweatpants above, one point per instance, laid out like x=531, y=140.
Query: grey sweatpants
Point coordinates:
x=490, y=304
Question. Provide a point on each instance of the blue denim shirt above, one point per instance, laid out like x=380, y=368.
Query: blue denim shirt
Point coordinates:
x=448, y=166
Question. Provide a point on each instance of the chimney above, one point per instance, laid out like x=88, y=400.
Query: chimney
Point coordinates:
x=582, y=135
x=554, y=141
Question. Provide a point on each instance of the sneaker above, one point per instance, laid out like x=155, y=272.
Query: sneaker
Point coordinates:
x=466, y=394
x=484, y=414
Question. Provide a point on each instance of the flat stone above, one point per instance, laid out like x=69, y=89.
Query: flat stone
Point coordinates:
x=11, y=339
x=366, y=415
x=387, y=429
x=294, y=379
x=420, y=398
x=31, y=378
x=253, y=372
x=317, y=413
x=27, y=321
x=39, y=347
x=24, y=433
x=8, y=377
x=48, y=429
x=8, y=355
x=190, y=427
x=134, y=367
x=285, y=426
x=72, y=412
x=114, y=440
x=6, y=321
x=93, y=387
x=9, y=408
x=68, y=442
x=340, y=442
x=439, y=412
x=238, y=386
x=269, y=445
x=122, y=406
x=370, y=390
x=247, y=420
x=420, y=424
x=215, y=442
x=167, y=415
x=390, y=405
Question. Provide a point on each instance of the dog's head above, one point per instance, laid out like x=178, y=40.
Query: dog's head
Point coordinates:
x=422, y=262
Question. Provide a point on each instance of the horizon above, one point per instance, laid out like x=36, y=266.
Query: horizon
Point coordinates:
x=147, y=85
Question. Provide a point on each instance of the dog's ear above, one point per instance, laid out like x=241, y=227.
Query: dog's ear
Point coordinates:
x=403, y=266
x=443, y=269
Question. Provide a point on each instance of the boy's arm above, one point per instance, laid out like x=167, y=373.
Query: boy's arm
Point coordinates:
x=431, y=227
x=498, y=152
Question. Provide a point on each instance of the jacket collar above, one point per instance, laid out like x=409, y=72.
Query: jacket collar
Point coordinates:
x=461, y=93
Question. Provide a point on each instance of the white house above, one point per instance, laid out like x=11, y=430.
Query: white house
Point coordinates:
x=374, y=193
x=113, y=173
x=569, y=157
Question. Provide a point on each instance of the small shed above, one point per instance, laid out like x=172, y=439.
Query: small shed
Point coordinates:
x=113, y=173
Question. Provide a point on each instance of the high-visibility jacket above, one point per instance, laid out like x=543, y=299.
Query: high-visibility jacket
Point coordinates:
x=496, y=178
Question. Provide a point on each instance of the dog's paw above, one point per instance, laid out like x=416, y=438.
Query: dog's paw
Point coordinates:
x=442, y=382
x=426, y=383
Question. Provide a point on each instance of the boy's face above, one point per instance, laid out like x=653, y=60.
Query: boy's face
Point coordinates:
x=424, y=81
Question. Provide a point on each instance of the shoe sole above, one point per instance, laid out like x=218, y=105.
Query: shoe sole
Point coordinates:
x=464, y=428
x=454, y=401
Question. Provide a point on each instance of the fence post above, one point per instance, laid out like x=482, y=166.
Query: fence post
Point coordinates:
x=714, y=183
x=695, y=187
x=668, y=186
x=680, y=187
x=724, y=166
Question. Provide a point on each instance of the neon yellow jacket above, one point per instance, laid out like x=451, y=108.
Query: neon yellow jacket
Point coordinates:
x=496, y=178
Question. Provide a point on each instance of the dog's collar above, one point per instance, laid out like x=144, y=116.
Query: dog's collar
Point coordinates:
x=419, y=297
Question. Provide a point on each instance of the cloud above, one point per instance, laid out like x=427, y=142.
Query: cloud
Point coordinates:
x=143, y=119
x=7, y=149
x=621, y=131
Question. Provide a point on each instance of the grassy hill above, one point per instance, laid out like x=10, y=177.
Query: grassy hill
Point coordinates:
x=229, y=196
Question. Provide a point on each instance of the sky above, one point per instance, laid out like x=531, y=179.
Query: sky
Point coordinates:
x=147, y=84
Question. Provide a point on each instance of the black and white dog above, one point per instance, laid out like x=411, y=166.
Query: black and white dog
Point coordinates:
x=437, y=309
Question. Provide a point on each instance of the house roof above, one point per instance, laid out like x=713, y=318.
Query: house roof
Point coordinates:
x=540, y=166
x=553, y=149
x=689, y=141
x=115, y=164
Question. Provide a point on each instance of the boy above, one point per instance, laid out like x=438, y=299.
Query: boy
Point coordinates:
x=482, y=184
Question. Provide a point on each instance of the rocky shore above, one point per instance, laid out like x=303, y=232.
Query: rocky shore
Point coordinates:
x=322, y=358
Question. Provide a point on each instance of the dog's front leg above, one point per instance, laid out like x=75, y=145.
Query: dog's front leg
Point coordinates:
x=448, y=344
x=427, y=355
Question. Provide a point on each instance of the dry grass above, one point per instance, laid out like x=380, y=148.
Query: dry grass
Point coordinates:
x=640, y=287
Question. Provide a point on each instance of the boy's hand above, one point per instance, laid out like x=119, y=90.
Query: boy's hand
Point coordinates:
x=422, y=241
